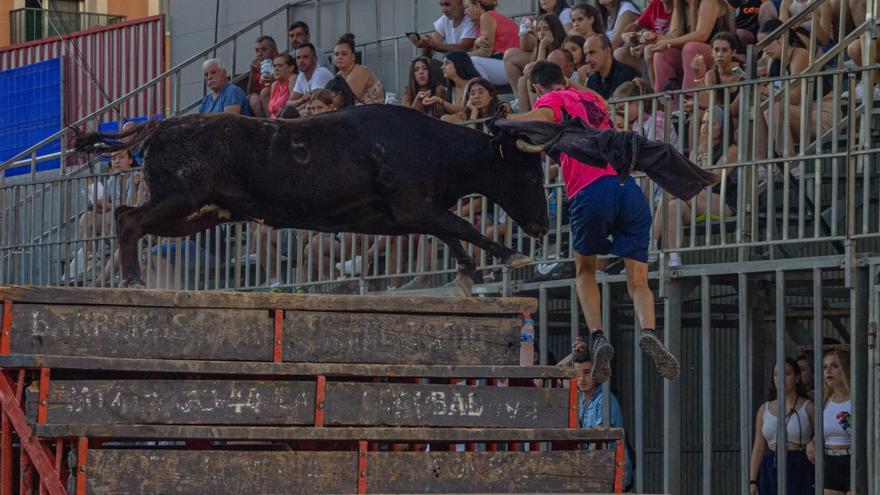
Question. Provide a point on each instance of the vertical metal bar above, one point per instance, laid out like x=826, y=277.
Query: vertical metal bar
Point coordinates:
x=706, y=382
x=672, y=393
x=745, y=400
x=639, y=405
x=859, y=386
x=781, y=436
x=606, y=327
x=574, y=313
x=318, y=19
x=542, y=322
x=819, y=399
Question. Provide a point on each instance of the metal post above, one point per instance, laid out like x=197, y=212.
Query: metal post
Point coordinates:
x=706, y=383
x=781, y=437
x=672, y=393
x=745, y=400
x=639, y=406
x=859, y=385
x=606, y=327
x=542, y=323
x=819, y=424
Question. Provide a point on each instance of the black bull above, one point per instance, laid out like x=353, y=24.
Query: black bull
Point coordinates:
x=374, y=170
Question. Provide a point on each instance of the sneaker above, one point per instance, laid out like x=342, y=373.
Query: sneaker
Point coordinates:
x=351, y=267
x=667, y=365
x=602, y=353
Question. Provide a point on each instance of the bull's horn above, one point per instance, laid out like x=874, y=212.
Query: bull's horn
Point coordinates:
x=526, y=147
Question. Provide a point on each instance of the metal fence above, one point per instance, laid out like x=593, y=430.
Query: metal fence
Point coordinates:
x=28, y=24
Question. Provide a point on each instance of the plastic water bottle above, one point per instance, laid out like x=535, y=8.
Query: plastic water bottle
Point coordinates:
x=391, y=99
x=266, y=68
x=527, y=342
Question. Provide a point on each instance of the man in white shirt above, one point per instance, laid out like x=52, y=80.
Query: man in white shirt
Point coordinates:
x=453, y=30
x=311, y=76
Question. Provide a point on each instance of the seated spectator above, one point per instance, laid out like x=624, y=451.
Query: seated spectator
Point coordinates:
x=495, y=35
x=274, y=98
x=423, y=85
x=798, y=418
x=551, y=35
x=727, y=70
x=260, y=75
x=608, y=73
x=838, y=424
x=312, y=77
x=746, y=20
x=298, y=35
x=854, y=50
x=650, y=124
x=786, y=9
x=225, y=96
x=453, y=31
x=364, y=84
x=321, y=101
x=617, y=15
x=586, y=21
x=341, y=91
x=591, y=408
x=651, y=25
x=289, y=112
x=563, y=59
x=693, y=25
x=458, y=70
x=710, y=151
x=574, y=44
x=481, y=101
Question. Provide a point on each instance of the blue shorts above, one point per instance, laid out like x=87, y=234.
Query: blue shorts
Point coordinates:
x=608, y=217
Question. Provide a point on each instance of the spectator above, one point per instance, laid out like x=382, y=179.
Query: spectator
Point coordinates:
x=342, y=94
x=651, y=25
x=481, y=101
x=574, y=44
x=225, y=96
x=650, y=124
x=321, y=101
x=586, y=21
x=710, y=151
x=694, y=23
x=563, y=59
x=805, y=368
x=786, y=9
x=747, y=20
x=727, y=70
x=312, y=77
x=274, y=98
x=607, y=73
x=364, y=84
x=854, y=50
x=601, y=209
x=617, y=15
x=258, y=78
x=591, y=407
x=837, y=422
x=423, y=85
x=495, y=35
x=299, y=35
x=551, y=35
x=798, y=412
x=458, y=70
x=453, y=31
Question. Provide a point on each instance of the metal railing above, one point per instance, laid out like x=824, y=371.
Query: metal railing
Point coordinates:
x=28, y=24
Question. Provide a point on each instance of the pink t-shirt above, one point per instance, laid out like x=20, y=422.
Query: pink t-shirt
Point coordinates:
x=506, y=33
x=593, y=110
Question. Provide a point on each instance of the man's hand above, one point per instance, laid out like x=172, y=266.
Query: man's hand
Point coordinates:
x=425, y=41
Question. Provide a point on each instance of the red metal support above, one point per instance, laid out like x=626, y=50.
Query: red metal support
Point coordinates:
x=25, y=474
x=7, y=327
x=320, y=391
x=278, y=340
x=82, y=452
x=42, y=460
x=619, y=466
x=572, y=403
x=362, y=466
x=6, y=456
x=43, y=397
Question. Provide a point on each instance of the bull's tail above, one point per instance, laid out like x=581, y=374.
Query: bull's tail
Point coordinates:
x=99, y=142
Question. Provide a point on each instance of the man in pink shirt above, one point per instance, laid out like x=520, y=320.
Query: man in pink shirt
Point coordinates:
x=607, y=217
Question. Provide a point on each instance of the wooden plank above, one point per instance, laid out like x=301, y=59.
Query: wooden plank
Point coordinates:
x=251, y=300
x=239, y=402
x=215, y=472
x=403, y=404
x=280, y=369
x=141, y=333
x=334, y=434
x=177, y=401
x=136, y=471
x=401, y=339
x=490, y=472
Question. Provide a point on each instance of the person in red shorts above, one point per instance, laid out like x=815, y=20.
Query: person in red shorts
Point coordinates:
x=607, y=217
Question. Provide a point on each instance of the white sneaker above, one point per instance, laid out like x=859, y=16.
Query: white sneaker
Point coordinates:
x=351, y=267
x=674, y=260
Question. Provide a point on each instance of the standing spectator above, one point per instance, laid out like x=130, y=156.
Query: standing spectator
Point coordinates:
x=423, y=85
x=617, y=15
x=607, y=73
x=312, y=77
x=651, y=25
x=551, y=35
x=805, y=367
x=299, y=35
x=458, y=70
x=837, y=423
x=275, y=97
x=694, y=23
x=452, y=31
x=601, y=209
x=364, y=84
x=591, y=407
x=798, y=413
x=341, y=91
x=495, y=35
x=265, y=48
x=225, y=96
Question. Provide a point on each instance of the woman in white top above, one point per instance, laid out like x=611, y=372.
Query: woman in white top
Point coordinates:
x=837, y=423
x=617, y=15
x=798, y=420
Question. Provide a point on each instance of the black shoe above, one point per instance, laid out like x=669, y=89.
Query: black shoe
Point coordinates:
x=602, y=353
x=667, y=365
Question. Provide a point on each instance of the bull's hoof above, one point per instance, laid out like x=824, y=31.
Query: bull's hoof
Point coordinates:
x=132, y=284
x=461, y=286
x=518, y=260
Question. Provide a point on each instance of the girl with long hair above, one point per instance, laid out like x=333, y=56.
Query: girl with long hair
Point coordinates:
x=423, y=85
x=586, y=21
x=551, y=36
x=481, y=101
x=837, y=423
x=458, y=70
x=617, y=15
x=342, y=95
